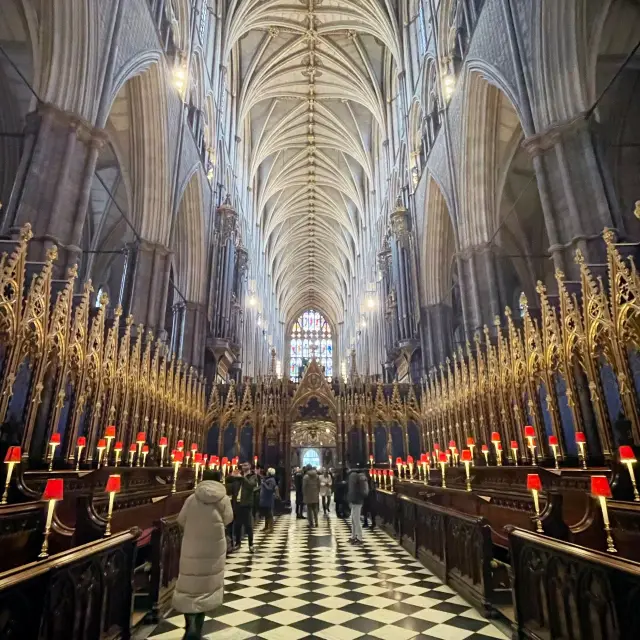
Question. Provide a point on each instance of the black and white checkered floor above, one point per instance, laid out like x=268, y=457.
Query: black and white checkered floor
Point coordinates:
x=301, y=584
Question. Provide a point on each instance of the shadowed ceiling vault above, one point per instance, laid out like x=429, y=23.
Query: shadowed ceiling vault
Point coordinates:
x=311, y=91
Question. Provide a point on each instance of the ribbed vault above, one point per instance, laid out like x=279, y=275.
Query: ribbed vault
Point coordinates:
x=311, y=74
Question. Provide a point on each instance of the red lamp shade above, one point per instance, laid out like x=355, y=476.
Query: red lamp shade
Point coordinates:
x=580, y=437
x=225, y=460
x=113, y=484
x=442, y=457
x=141, y=437
x=197, y=458
x=529, y=431
x=600, y=487
x=409, y=459
x=424, y=458
x=485, y=448
x=102, y=443
x=370, y=458
x=180, y=444
x=466, y=455
x=398, y=460
x=132, y=448
x=454, y=451
x=145, y=449
x=626, y=454
x=55, y=438
x=118, y=446
x=13, y=455
x=471, y=442
x=54, y=489
x=553, y=441
x=110, y=432
x=82, y=441
x=216, y=459
x=194, y=446
x=495, y=437
x=436, y=447
x=178, y=456
x=514, y=444
x=235, y=460
x=533, y=482
x=452, y=444
x=163, y=441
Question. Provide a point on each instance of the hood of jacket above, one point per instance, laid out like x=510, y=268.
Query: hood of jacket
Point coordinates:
x=269, y=483
x=312, y=472
x=210, y=492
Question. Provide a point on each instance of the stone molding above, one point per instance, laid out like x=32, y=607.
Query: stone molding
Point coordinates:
x=542, y=142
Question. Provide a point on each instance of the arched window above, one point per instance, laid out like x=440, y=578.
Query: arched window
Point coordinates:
x=311, y=338
x=311, y=457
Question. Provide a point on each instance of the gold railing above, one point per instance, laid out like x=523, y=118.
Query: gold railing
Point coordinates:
x=520, y=374
x=78, y=372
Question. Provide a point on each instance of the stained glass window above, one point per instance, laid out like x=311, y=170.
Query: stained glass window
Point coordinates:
x=310, y=338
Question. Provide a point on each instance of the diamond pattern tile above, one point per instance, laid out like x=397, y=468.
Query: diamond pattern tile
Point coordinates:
x=303, y=584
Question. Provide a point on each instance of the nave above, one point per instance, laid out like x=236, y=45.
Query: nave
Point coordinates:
x=315, y=584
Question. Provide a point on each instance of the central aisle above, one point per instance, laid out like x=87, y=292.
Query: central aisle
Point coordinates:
x=302, y=584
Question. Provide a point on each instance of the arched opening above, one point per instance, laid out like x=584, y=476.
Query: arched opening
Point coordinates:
x=502, y=230
x=440, y=295
x=617, y=112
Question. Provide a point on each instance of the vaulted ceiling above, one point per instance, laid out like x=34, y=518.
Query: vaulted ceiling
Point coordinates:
x=311, y=99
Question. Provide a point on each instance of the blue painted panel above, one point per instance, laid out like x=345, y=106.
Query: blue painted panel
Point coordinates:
x=566, y=416
x=246, y=444
x=213, y=438
x=229, y=441
x=380, y=444
x=64, y=414
x=413, y=433
x=634, y=365
x=611, y=391
x=397, y=442
x=20, y=396
x=546, y=416
x=356, y=453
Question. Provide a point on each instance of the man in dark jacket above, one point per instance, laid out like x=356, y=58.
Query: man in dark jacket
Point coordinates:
x=369, y=506
x=244, y=508
x=340, y=495
x=232, y=483
x=297, y=483
x=268, y=492
x=357, y=491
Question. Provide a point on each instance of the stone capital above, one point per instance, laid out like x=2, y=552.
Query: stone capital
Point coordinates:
x=542, y=142
x=85, y=131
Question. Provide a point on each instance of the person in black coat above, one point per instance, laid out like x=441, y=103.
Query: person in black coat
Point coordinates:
x=369, y=506
x=340, y=496
x=297, y=484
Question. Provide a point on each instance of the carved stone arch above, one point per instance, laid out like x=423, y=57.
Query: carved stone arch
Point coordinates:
x=180, y=22
x=314, y=397
x=189, y=241
x=71, y=57
x=438, y=246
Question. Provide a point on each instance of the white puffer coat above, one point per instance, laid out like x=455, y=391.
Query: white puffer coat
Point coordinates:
x=203, y=517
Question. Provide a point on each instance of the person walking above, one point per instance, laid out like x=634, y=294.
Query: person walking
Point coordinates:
x=244, y=508
x=358, y=489
x=326, y=487
x=311, y=495
x=233, y=481
x=268, y=491
x=297, y=484
x=203, y=518
x=369, y=505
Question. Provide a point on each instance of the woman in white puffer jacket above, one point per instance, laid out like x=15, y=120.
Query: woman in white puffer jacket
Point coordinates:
x=203, y=517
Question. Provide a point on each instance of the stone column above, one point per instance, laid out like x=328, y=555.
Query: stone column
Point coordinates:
x=437, y=337
x=146, y=284
x=53, y=184
x=480, y=288
x=193, y=334
x=573, y=191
